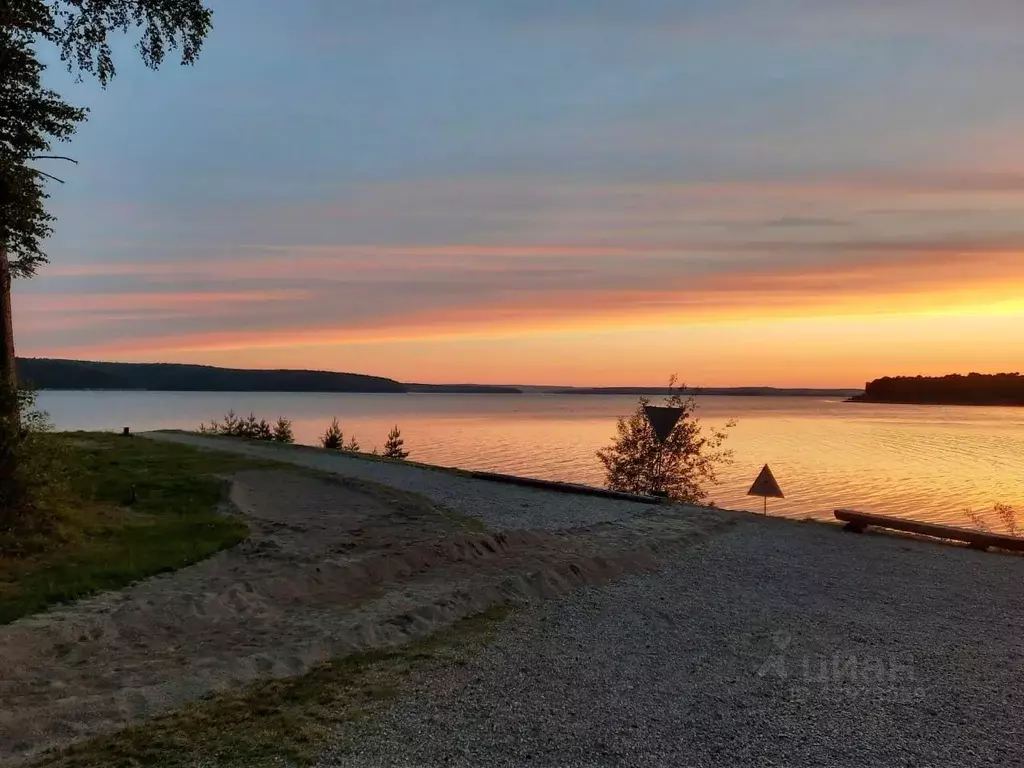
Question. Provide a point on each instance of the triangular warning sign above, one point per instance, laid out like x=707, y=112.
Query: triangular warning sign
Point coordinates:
x=663, y=420
x=766, y=486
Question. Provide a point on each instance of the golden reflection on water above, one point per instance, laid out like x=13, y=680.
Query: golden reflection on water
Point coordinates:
x=929, y=462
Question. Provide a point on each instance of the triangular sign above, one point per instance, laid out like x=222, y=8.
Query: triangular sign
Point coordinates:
x=766, y=486
x=663, y=420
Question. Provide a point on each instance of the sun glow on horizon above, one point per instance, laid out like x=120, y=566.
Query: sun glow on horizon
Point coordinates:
x=835, y=205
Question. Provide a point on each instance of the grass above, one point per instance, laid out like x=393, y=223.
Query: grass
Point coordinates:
x=106, y=540
x=277, y=722
x=109, y=538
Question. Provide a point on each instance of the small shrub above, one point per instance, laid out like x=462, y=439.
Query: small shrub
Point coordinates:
x=394, y=448
x=232, y=425
x=33, y=478
x=228, y=427
x=977, y=520
x=252, y=428
x=248, y=427
x=263, y=431
x=282, y=432
x=1008, y=517
x=352, y=446
x=1006, y=514
x=333, y=438
x=681, y=468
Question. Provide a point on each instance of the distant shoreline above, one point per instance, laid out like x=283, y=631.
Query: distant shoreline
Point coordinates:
x=998, y=389
x=46, y=374
x=449, y=391
x=971, y=404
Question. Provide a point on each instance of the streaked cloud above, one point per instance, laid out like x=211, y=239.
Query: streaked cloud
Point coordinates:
x=531, y=174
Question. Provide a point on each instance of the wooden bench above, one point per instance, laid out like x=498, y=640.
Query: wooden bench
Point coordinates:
x=858, y=521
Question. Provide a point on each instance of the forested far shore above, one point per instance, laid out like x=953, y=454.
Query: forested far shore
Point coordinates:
x=955, y=389
x=48, y=373
x=43, y=373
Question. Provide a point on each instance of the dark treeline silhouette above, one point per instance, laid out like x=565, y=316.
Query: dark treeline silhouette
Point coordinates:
x=718, y=391
x=172, y=377
x=463, y=389
x=973, y=389
x=44, y=373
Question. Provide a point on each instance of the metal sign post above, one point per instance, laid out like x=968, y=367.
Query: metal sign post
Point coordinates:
x=767, y=486
x=662, y=420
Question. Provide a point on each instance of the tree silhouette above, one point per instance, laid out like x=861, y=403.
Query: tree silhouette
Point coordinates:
x=32, y=118
x=333, y=438
x=681, y=467
x=394, y=448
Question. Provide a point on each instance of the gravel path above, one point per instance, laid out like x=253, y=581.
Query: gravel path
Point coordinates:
x=776, y=644
x=499, y=505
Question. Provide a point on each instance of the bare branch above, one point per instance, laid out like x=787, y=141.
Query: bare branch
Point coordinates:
x=47, y=175
x=53, y=157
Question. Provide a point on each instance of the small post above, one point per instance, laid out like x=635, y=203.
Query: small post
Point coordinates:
x=767, y=487
x=663, y=420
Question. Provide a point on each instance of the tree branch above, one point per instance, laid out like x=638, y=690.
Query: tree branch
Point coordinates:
x=47, y=175
x=53, y=157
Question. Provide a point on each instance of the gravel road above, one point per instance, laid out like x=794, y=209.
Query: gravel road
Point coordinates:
x=777, y=644
x=499, y=505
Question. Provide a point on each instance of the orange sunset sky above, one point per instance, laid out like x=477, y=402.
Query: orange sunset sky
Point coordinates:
x=815, y=194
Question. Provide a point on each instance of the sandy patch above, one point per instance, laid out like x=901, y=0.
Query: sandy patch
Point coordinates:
x=330, y=568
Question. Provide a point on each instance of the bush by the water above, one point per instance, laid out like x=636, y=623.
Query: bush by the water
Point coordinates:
x=33, y=477
x=681, y=468
x=250, y=428
x=333, y=438
x=394, y=448
x=1004, y=513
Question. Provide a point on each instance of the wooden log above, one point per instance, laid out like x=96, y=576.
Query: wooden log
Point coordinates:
x=857, y=521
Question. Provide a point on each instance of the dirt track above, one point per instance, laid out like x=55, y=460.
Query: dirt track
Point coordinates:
x=331, y=567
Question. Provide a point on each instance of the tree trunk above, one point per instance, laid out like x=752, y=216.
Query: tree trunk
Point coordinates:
x=9, y=416
x=8, y=373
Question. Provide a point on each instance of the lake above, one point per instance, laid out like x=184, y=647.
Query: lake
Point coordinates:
x=929, y=462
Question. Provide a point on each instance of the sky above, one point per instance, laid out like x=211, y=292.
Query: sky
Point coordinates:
x=589, y=192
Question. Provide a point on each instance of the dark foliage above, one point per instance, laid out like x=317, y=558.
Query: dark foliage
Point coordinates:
x=249, y=428
x=394, y=448
x=681, y=468
x=333, y=438
x=1004, y=513
x=32, y=117
x=81, y=28
x=973, y=389
x=172, y=377
x=283, y=431
x=34, y=477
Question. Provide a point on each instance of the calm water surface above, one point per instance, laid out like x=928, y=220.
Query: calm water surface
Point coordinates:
x=929, y=462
